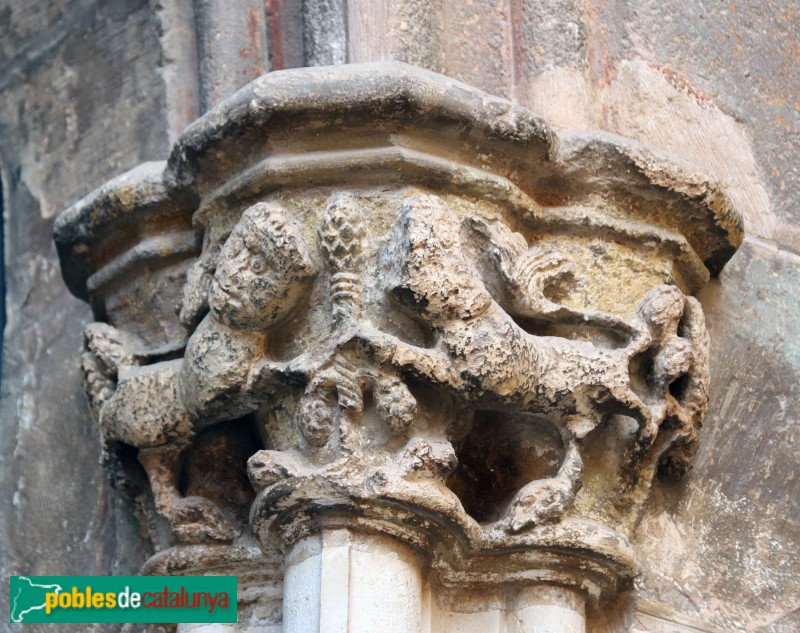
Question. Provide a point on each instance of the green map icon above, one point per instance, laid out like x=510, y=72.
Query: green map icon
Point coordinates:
x=27, y=596
x=105, y=599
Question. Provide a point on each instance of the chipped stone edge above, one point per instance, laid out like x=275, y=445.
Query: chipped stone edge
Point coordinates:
x=397, y=92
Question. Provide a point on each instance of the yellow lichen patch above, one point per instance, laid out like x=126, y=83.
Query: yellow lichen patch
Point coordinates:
x=610, y=276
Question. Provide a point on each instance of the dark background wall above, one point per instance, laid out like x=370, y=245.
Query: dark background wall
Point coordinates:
x=2, y=277
x=81, y=99
x=90, y=88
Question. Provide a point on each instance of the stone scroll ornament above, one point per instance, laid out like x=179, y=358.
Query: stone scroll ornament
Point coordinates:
x=388, y=302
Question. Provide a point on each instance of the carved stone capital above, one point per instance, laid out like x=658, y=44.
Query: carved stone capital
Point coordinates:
x=369, y=305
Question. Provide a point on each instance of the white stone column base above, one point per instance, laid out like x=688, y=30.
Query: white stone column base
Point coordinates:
x=341, y=581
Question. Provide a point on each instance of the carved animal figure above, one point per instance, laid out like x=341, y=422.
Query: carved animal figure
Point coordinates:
x=481, y=354
x=262, y=271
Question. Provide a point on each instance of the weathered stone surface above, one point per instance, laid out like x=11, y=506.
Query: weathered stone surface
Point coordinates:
x=409, y=30
x=232, y=47
x=2, y=275
x=80, y=100
x=719, y=547
x=325, y=32
x=743, y=56
x=55, y=97
x=655, y=105
x=659, y=73
x=715, y=87
x=489, y=21
x=285, y=34
x=439, y=274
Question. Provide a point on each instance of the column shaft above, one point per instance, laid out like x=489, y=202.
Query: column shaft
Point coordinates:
x=546, y=610
x=344, y=582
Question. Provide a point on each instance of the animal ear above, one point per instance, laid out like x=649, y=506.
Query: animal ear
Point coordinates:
x=502, y=245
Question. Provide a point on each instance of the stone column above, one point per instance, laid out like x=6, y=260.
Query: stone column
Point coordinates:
x=342, y=580
x=428, y=359
x=547, y=610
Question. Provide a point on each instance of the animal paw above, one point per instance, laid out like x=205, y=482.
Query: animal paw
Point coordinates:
x=106, y=352
x=395, y=404
x=316, y=416
x=375, y=344
x=673, y=360
x=198, y=520
x=541, y=501
x=194, y=304
x=423, y=457
x=111, y=348
x=269, y=467
x=661, y=309
x=97, y=385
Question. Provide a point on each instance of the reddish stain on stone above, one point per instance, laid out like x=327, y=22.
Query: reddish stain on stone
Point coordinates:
x=682, y=84
x=275, y=34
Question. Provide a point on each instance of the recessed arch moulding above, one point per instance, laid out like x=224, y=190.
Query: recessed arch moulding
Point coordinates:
x=370, y=310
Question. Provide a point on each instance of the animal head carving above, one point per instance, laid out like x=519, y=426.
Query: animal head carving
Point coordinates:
x=431, y=275
x=262, y=271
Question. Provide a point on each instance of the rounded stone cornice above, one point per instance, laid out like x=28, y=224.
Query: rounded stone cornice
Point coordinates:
x=315, y=126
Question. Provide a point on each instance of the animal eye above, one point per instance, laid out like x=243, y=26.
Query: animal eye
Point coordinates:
x=258, y=264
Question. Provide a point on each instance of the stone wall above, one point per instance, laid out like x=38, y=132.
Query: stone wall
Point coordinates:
x=91, y=88
x=81, y=99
